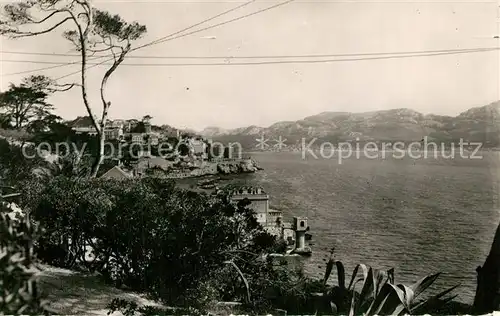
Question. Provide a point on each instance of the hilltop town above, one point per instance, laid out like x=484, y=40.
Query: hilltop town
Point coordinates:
x=143, y=149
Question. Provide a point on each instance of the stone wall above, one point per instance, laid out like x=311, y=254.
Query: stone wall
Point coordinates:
x=284, y=233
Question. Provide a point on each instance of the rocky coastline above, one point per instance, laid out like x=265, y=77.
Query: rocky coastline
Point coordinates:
x=215, y=168
x=238, y=166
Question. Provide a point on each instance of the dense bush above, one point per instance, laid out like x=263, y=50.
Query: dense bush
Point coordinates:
x=14, y=164
x=18, y=289
x=148, y=235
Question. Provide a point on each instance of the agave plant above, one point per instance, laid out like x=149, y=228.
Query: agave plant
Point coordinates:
x=378, y=295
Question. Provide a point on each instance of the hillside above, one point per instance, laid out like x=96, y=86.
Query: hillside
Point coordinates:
x=480, y=124
x=85, y=121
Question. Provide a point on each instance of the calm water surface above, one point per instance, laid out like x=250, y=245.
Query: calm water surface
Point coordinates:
x=418, y=216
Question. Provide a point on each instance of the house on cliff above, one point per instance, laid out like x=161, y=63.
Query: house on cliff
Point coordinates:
x=271, y=220
x=258, y=198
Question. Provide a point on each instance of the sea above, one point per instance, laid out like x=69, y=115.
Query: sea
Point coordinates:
x=419, y=216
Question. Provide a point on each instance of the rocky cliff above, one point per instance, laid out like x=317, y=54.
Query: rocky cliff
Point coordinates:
x=225, y=167
x=238, y=166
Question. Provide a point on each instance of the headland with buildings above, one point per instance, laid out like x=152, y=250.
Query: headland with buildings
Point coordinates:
x=294, y=233
x=146, y=150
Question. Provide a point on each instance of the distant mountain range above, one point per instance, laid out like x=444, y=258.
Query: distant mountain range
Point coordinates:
x=479, y=124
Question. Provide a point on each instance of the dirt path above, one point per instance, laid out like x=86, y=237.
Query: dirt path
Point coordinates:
x=73, y=293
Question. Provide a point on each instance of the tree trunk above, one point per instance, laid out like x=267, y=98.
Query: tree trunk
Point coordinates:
x=105, y=109
x=100, y=155
x=488, y=280
x=83, y=37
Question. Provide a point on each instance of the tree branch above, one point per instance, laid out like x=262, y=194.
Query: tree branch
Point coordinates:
x=101, y=50
x=240, y=251
x=18, y=34
x=90, y=19
x=242, y=277
x=83, y=38
x=111, y=46
x=22, y=115
x=47, y=17
x=104, y=81
x=64, y=87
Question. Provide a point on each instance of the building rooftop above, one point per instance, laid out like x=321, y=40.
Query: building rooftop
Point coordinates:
x=150, y=162
x=248, y=190
x=116, y=173
x=112, y=127
x=83, y=128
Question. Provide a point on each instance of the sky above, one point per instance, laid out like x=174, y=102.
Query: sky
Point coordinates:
x=235, y=96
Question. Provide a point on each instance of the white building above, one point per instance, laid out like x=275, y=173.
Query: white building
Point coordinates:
x=259, y=201
x=113, y=132
x=90, y=130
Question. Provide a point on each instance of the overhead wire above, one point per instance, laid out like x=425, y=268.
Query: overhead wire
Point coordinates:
x=193, y=32
x=195, y=25
x=273, y=62
x=60, y=65
x=259, y=56
x=169, y=37
x=218, y=24
x=151, y=43
x=390, y=55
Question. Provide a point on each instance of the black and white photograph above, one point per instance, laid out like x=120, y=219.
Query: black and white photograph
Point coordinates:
x=249, y=157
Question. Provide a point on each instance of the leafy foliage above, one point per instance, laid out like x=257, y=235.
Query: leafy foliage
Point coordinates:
x=106, y=24
x=18, y=293
x=12, y=134
x=16, y=13
x=48, y=124
x=15, y=166
x=148, y=235
x=138, y=128
x=128, y=308
x=26, y=102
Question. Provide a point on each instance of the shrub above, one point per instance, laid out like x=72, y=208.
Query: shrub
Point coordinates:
x=15, y=166
x=15, y=134
x=18, y=290
x=146, y=234
x=72, y=212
